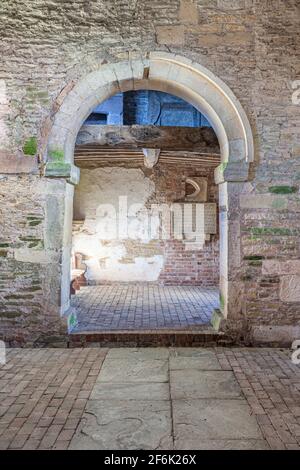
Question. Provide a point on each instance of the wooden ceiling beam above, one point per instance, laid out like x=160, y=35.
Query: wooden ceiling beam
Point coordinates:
x=195, y=139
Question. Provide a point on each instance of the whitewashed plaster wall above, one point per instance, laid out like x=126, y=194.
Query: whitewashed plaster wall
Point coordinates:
x=101, y=238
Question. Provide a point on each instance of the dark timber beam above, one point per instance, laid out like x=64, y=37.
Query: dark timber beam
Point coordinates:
x=196, y=139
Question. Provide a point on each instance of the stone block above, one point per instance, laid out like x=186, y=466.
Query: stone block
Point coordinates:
x=263, y=201
x=138, y=353
x=193, y=358
x=188, y=443
x=290, y=288
x=188, y=12
x=191, y=383
x=236, y=298
x=62, y=170
x=102, y=77
x=170, y=35
x=234, y=244
x=17, y=163
x=136, y=370
x=198, y=420
x=282, y=335
x=237, y=149
x=296, y=151
x=26, y=255
x=54, y=219
x=58, y=169
x=273, y=267
x=124, y=425
x=216, y=319
x=130, y=391
x=233, y=4
x=232, y=172
x=237, y=39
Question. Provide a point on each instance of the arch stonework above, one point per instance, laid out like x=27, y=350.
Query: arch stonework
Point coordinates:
x=194, y=83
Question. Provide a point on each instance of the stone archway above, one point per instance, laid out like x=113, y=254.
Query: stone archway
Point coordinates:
x=195, y=84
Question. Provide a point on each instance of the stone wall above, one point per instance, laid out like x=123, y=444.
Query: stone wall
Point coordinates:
x=252, y=45
x=30, y=255
x=145, y=256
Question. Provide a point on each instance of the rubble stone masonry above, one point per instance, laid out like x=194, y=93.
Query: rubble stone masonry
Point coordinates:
x=48, y=45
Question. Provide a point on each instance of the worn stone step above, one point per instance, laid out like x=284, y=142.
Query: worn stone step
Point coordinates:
x=146, y=338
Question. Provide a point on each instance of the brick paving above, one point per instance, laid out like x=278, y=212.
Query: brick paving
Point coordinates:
x=143, y=306
x=271, y=385
x=44, y=392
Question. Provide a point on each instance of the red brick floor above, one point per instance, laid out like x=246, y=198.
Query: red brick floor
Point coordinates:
x=44, y=392
x=271, y=385
x=143, y=306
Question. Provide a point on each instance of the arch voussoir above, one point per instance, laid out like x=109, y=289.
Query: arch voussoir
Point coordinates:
x=164, y=72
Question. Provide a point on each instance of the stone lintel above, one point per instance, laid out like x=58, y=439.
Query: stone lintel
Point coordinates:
x=197, y=139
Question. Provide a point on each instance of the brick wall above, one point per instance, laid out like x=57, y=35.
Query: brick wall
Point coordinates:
x=181, y=266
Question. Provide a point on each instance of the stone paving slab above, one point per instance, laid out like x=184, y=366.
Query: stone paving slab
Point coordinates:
x=193, y=383
x=132, y=391
x=197, y=420
x=48, y=395
x=125, y=425
x=194, y=358
x=138, y=353
x=224, y=444
x=134, y=370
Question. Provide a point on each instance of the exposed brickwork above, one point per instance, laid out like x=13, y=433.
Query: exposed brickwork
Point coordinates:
x=196, y=267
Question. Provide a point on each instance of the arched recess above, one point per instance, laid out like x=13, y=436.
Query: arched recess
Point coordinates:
x=197, y=85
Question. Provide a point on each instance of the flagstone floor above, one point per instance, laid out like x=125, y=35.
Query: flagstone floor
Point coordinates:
x=151, y=398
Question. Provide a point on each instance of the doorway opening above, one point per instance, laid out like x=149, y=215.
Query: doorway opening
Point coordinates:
x=183, y=78
x=145, y=239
